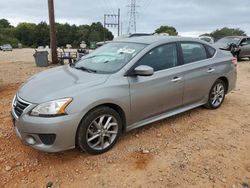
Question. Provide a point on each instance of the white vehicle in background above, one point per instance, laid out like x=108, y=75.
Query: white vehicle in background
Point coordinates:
x=40, y=47
x=208, y=39
x=6, y=47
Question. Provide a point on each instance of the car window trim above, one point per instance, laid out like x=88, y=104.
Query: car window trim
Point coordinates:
x=181, y=52
x=196, y=62
x=183, y=65
x=130, y=72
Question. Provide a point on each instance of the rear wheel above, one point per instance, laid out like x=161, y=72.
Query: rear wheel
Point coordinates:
x=99, y=130
x=216, y=95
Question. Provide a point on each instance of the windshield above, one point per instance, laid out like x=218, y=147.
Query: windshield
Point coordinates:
x=109, y=58
x=230, y=40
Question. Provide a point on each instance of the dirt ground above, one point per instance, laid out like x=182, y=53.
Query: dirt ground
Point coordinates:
x=200, y=148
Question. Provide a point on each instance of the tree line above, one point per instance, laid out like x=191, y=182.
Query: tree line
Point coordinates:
x=217, y=34
x=34, y=35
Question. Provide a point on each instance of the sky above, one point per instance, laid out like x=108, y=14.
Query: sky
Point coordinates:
x=189, y=17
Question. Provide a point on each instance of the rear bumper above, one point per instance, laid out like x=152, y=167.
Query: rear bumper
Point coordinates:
x=49, y=134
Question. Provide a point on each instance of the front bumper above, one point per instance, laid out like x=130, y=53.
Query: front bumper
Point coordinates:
x=62, y=129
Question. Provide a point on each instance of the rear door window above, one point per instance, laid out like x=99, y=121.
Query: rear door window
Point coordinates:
x=193, y=52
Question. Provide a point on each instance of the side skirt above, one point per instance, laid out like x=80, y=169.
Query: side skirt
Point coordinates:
x=163, y=116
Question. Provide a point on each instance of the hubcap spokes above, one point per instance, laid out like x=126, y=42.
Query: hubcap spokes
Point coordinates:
x=102, y=132
x=217, y=94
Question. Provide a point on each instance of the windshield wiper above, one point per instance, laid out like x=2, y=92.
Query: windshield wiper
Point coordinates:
x=85, y=69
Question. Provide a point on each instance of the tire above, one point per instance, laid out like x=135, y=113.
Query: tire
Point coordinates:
x=99, y=130
x=218, y=89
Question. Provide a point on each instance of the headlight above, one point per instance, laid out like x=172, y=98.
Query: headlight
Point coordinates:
x=52, y=108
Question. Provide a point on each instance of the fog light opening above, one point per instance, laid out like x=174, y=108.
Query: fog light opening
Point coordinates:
x=30, y=140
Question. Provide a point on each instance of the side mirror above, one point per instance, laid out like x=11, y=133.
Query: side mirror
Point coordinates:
x=243, y=44
x=144, y=70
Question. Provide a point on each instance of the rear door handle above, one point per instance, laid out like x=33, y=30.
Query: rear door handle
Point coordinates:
x=176, y=79
x=210, y=70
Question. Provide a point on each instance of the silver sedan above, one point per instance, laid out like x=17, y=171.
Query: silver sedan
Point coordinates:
x=121, y=86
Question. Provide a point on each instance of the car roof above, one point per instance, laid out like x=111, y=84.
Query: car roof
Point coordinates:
x=155, y=39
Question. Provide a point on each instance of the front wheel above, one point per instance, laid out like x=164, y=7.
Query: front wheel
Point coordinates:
x=216, y=95
x=99, y=130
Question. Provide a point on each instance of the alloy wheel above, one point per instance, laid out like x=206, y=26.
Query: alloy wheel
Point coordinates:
x=218, y=94
x=102, y=132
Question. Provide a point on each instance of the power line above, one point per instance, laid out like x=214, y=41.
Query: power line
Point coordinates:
x=108, y=7
x=104, y=7
x=144, y=4
x=147, y=3
x=111, y=5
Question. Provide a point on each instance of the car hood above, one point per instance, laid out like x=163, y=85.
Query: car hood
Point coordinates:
x=58, y=83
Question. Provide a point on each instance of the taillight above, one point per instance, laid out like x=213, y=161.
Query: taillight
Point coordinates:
x=234, y=61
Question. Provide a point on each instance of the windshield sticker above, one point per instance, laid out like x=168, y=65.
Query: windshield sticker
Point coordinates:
x=126, y=50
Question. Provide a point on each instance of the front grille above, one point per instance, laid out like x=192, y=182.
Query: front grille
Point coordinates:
x=19, y=106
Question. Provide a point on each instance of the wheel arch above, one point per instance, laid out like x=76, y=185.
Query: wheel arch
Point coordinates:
x=225, y=80
x=115, y=107
x=119, y=110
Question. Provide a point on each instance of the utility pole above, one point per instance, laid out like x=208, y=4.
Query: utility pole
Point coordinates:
x=53, y=43
x=119, y=17
x=112, y=20
x=132, y=19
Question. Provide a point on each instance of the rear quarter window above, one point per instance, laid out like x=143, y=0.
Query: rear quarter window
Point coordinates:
x=210, y=51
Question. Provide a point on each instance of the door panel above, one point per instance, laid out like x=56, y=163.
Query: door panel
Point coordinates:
x=161, y=92
x=156, y=94
x=198, y=74
x=199, y=78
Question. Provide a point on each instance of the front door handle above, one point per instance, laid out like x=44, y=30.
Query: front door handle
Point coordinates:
x=176, y=79
x=210, y=70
